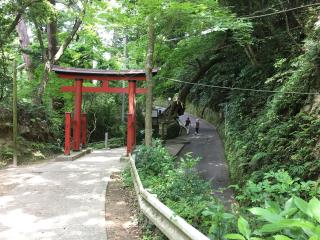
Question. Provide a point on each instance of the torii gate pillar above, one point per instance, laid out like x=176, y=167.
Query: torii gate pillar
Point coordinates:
x=131, y=132
x=77, y=115
x=81, y=74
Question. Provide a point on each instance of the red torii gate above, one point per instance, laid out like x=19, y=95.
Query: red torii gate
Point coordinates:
x=79, y=120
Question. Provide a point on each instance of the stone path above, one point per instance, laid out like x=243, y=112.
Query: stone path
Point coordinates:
x=57, y=200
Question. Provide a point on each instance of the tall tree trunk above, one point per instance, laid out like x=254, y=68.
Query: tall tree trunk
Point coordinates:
x=10, y=29
x=196, y=78
x=149, y=66
x=52, y=35
x=251, y=55
x=24, y=44
x=40, y=39
x=126, y=66
x=57, y=56
x=202, y=70
x=14, y=115
x=288, y=28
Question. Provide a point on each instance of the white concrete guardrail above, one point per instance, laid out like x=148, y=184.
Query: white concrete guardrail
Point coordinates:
x=169, y=223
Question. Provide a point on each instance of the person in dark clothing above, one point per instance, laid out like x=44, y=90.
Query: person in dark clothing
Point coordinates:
x=197, y=126
x=187, y=125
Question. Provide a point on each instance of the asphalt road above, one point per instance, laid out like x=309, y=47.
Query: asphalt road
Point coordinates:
x=208, y=146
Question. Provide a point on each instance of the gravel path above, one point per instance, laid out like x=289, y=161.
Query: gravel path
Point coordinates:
x=212, y=166
x=57, y=200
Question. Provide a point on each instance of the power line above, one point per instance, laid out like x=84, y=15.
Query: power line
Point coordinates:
x=265, y=9
x=200, y=35
x=237, y=44
x=281, y=11
x=242, y=89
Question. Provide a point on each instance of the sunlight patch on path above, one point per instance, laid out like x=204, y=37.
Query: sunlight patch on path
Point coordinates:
x=57, y=200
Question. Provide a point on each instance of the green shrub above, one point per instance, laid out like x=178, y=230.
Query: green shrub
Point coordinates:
x=178, y=185
x=276, y=186
x=297, y=220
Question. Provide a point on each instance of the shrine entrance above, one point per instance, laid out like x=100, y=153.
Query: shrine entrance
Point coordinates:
x=78, y=122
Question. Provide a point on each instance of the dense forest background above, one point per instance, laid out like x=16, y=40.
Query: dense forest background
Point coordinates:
x=253, y=65
x=250, y=67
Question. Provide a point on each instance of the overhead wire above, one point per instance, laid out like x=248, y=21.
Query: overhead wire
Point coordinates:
x=242, y=89
x=280, y=11
x=265, y=9
x=273, y=13
x=252, y=89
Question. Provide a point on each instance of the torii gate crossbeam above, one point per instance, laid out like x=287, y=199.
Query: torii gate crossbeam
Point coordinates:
x=81, y=74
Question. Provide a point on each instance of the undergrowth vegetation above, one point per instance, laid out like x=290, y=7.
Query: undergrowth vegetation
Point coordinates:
x=276, y=186
x=264, y=209
x=180, y=187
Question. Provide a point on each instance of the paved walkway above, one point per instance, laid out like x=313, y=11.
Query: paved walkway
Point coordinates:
x=57, y=200
x=212, y=166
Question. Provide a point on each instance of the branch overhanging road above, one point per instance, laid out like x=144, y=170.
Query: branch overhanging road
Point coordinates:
x=212, y=166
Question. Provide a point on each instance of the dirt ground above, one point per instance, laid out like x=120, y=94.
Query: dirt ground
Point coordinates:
x=121, y=213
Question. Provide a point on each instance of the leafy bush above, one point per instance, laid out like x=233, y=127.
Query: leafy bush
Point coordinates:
x=276, y=186
x=28, y=151
x=298, y=220
x=179, y=186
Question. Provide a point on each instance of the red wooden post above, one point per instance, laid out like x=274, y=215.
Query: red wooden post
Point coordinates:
x=67, y=134
x=131, y=132
x=84, y=130
x=79, y=75
x=129, y=138
x=77, y=115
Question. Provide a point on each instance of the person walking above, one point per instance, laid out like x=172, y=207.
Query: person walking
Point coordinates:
x=197, y=126
x=187, y=125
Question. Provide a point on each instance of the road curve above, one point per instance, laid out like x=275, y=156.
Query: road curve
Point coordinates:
x=213, y=167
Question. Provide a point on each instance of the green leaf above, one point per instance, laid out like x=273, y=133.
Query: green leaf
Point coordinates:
x=289, y=212
x=306, y=226
x=281, y=237
x=244, y=227
x=266, y=214
x=234, y=236
x=289, y=204
x=302, y=205
x=314, y=238
x=273, y=206
x=314, y=208
x=227, y=216
x=271, y=227
x=207, y=213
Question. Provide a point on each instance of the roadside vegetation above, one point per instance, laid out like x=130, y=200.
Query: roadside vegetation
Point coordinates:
x=278, y=208
x=249, y=67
